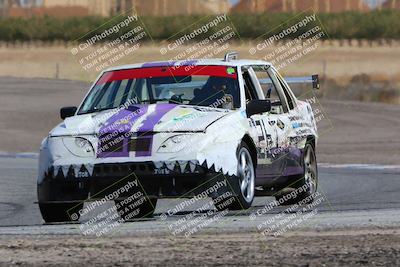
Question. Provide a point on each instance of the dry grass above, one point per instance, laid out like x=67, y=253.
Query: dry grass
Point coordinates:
x=342, y=63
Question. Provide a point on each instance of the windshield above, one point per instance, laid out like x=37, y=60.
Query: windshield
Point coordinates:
x=213, y=86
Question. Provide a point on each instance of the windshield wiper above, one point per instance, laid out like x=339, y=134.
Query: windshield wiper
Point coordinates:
x=95, y=110
x=152, y=101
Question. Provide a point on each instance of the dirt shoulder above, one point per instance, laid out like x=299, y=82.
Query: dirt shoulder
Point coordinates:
x=336, y=248
x=338, y=61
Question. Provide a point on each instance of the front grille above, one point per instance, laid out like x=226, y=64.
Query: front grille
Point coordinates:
x=141, y=144
x=123, y=169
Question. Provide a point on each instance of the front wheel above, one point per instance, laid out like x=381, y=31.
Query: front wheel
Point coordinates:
x=60, y=212
x=243, y=183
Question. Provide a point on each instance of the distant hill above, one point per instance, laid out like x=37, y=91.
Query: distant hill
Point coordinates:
x=105, y=8
x=392, y=4
x=256, y=6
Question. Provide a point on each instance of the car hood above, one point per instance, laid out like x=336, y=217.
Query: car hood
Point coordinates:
x=142, y=118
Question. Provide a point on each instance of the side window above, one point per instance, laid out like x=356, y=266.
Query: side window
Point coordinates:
x=248, y=86
x=285, y=89
x=269, y=89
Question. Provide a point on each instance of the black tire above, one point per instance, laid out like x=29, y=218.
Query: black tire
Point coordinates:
x=60, y=212
x=239, y=199
x=309, y=180
x=144, y=210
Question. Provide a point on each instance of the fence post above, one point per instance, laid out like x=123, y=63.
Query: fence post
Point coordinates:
x=316, y=6
x=348, y=5
x=57, y=75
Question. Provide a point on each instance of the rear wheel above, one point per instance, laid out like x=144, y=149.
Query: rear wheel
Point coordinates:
x=307, y=185
x=60, y=212
x=242, y=184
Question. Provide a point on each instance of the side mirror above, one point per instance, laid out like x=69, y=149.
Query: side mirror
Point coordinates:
x=315, y=81
x=257, y=106
x=67, y=112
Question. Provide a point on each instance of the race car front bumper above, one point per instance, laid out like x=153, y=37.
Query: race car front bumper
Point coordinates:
x=155, y=180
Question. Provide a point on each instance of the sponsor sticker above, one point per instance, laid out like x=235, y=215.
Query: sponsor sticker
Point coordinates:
x=280, y=124
x=230, y=70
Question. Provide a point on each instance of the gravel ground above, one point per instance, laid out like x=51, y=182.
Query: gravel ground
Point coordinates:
x=344, y=248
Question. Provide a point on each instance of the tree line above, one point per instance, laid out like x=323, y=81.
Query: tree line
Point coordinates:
x=375, y=25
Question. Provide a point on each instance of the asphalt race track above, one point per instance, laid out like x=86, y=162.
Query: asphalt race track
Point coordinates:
x=355, y=223
x=354, y=195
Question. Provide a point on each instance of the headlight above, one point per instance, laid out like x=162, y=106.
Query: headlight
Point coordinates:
x=79, y=146
x=44, y=143
x=175, y=143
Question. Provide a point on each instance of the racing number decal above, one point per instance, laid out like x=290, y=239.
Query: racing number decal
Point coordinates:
x=264, y=135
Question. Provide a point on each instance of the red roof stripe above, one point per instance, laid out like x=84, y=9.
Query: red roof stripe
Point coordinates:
x=117, y=75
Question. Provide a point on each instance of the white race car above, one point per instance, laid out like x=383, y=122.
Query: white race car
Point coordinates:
x=221, y=128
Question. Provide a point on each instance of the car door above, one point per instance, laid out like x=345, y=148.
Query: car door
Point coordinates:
x=280, y=157
x=289, y=120
x=263, y=126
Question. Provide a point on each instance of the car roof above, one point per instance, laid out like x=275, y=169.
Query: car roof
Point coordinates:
x=192, y=62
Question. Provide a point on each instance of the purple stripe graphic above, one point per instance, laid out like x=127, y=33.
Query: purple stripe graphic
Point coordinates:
x=169, y=63
x=159, y=64
x=118, y=126
x=117, y=130
x=150, y=123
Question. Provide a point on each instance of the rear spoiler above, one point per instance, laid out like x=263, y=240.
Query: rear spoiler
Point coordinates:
x=314, y=80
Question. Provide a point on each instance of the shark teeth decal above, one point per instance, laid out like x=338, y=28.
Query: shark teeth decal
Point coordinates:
x=170, y=165
x=182, y=165
x=64, y=170
x=158, y=164
x=89, y=168
x=192, y=166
